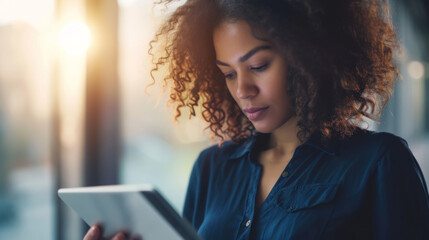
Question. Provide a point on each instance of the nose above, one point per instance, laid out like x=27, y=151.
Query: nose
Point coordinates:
x=246, y=88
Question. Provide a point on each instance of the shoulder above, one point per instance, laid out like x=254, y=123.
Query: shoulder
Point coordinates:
x=369, y=152
x=393, y=151
x=376, y=144
x=377, y=139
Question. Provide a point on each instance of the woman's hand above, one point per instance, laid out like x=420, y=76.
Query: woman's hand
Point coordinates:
x=94, y=233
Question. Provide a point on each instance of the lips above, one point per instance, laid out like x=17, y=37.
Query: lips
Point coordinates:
x=255, y=113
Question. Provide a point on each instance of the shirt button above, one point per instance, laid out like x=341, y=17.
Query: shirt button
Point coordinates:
x=248, y=223
x=285, y=174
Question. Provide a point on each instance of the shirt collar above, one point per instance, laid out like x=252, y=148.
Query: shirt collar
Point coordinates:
x=243, y=147
x=328, y=146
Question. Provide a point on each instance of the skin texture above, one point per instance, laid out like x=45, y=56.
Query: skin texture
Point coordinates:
x=257, y=82
x=255, y=74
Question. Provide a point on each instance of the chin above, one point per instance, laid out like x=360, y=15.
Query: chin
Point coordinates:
x=264, y=128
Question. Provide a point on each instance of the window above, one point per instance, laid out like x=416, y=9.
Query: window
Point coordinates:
x=26, y=173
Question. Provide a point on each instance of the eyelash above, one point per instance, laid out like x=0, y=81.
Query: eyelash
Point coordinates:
x=256, y=69
x=260, y=68
x=229, y=76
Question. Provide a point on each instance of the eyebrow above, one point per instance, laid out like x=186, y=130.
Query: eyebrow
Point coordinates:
x=246, y=56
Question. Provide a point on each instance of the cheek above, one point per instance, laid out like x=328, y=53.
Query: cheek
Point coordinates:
x=275, y=87
x=282, y=84
x=232, y=90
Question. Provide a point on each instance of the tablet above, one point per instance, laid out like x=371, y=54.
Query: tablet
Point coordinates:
x=134, y=209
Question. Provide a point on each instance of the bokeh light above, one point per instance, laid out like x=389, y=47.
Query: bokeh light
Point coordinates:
x=75, y=38
x=416, y=69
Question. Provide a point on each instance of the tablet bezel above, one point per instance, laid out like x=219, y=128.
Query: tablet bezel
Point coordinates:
x=150, y=193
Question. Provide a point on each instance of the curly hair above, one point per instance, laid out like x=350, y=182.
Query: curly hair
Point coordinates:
x=340, y=61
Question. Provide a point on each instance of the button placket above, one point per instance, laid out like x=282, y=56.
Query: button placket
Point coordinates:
x=291, y=165
x=254, y=183
x=250, y=199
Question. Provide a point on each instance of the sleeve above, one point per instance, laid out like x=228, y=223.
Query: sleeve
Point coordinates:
x=194, y=206
x=401, y=204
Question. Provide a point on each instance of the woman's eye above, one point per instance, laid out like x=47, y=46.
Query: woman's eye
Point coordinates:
x=229, y=76
x=259, y=68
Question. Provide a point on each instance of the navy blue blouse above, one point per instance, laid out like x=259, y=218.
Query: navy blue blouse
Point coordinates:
x=366, y=187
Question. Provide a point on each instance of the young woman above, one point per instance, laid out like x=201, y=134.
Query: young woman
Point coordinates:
x=286, y=87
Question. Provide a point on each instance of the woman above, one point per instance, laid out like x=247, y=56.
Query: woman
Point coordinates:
x=286, y=87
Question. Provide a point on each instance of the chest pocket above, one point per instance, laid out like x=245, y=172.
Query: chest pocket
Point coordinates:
x=297, y=198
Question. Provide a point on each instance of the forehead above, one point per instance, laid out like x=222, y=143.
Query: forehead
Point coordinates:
x=234, y=39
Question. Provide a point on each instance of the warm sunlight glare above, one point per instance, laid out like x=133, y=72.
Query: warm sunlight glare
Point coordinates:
x=74, y=38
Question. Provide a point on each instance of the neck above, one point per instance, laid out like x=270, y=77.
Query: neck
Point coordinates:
x=284, y=139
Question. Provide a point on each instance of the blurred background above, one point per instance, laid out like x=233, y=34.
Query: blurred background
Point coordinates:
x=73, y=111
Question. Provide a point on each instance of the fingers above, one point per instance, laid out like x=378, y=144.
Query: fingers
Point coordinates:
x=93, y=233
x=119, y=236
x=122, y=236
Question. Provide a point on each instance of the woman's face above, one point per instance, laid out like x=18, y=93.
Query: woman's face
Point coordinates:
x=255, y=74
